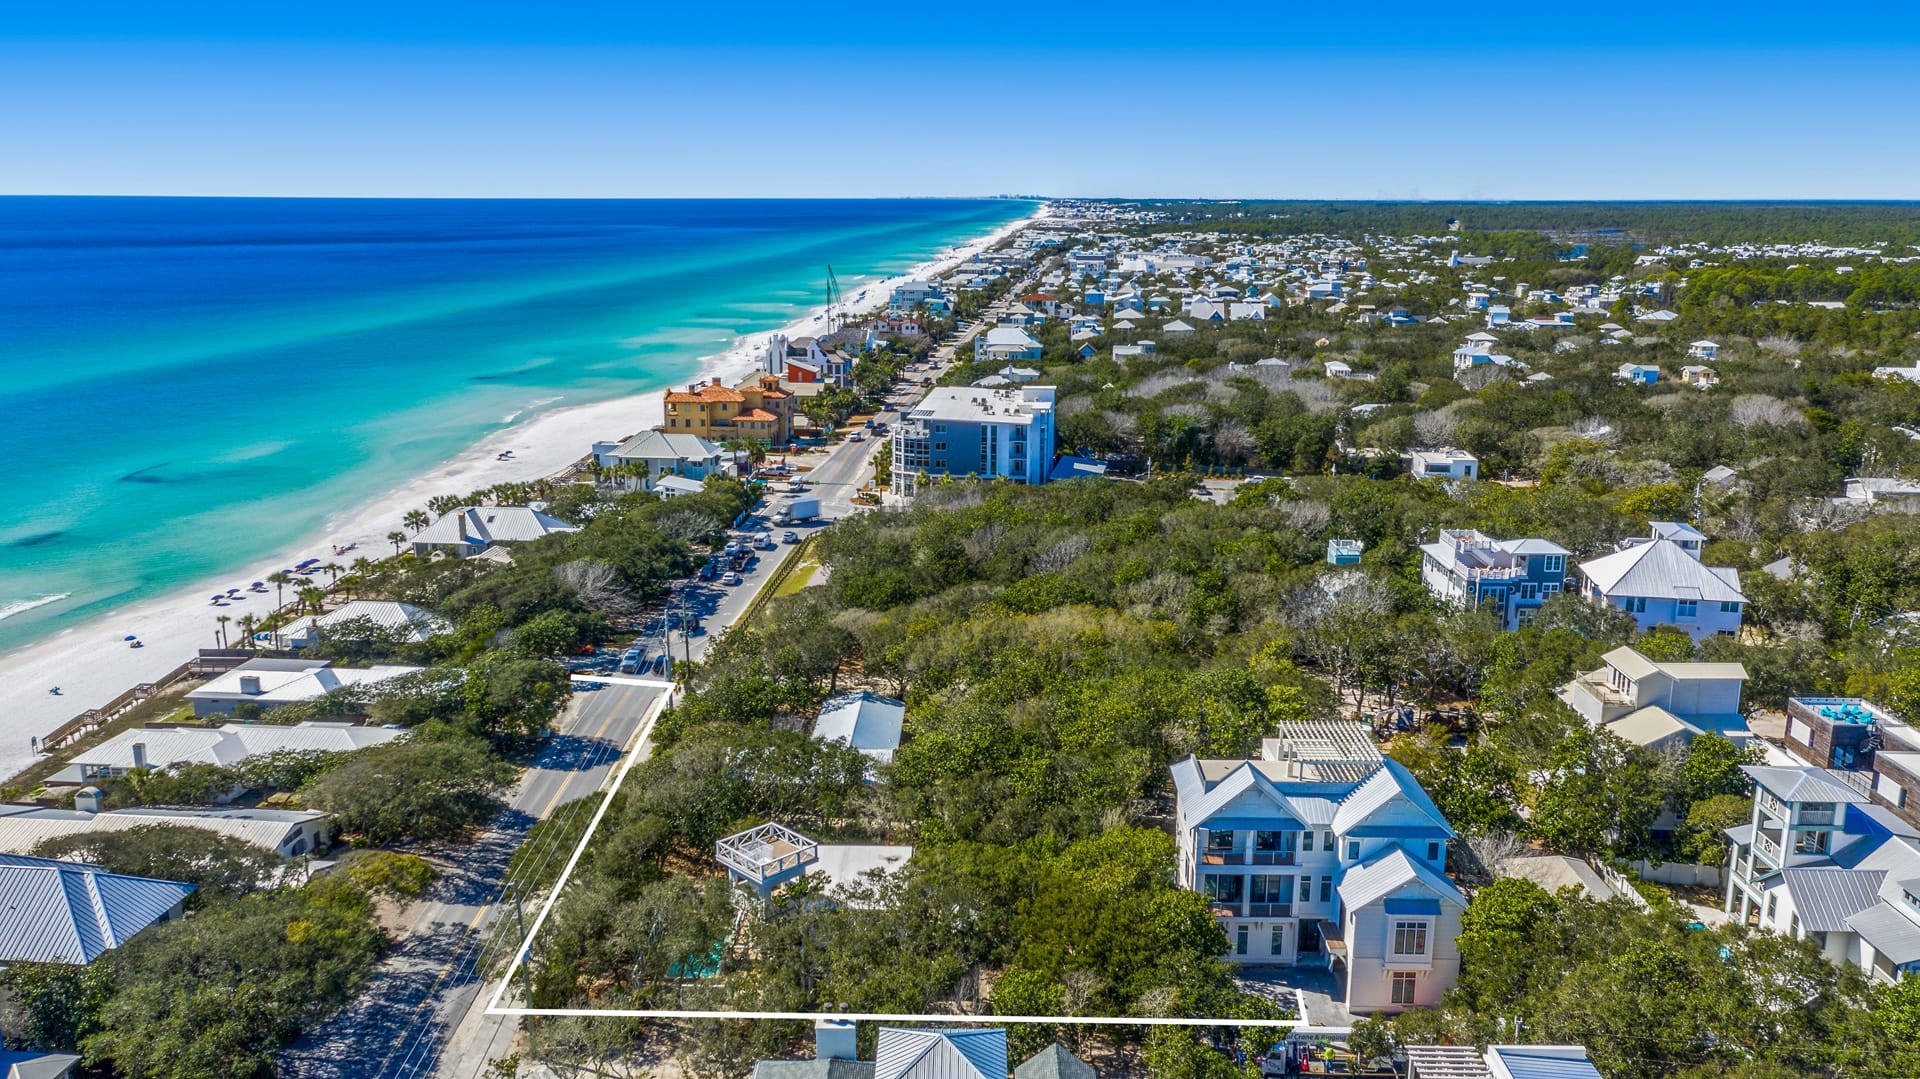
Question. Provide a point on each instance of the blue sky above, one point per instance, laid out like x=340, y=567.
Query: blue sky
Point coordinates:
x=1382, y=100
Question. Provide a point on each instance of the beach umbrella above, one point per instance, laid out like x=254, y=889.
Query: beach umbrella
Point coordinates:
x=129, y=637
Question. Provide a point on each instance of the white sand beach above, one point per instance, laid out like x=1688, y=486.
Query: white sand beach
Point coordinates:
x=92, y=664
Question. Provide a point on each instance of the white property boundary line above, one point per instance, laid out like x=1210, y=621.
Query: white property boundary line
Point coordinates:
x=494, y=1007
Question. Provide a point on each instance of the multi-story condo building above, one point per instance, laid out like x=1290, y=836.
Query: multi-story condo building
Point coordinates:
x=990, y=433
x=757, y=409
x=1510, y=577
x=1819, y=861
x=1323, y=852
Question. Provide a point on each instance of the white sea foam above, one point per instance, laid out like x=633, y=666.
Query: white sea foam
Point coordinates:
x=22, y=606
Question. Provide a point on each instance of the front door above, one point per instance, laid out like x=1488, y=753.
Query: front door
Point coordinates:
x=1309, y=937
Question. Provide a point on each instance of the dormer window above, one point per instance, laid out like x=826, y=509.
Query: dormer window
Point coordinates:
x=1816, y=812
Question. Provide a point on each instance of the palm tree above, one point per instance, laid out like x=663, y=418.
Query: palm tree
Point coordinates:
x=278, y=579
x=248, y=624
x=313, y=598
x=334, y=569
x=441, y=505
x=220, y=634
x=416, y=520
x=396, y=538
x=362, y=566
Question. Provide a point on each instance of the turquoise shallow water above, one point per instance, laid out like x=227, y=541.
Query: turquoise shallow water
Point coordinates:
x=190, y=384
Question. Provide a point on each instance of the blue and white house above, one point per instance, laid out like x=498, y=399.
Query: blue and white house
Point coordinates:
x=1322, y=852
x=991, y=433
x=1820, y=861
x=1513, y=578
x=1662, y=582
x=1004, y=343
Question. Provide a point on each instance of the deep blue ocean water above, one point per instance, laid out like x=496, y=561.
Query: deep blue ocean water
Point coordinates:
x=190, y=384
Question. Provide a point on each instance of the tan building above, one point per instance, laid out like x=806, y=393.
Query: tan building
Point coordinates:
x=757, y=408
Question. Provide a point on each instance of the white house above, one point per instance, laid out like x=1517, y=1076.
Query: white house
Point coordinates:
x=1820, y=862
x=665, y=454
x=287, y=832
x=1656, y=704
x=864, y=721
x=1005, y=343
x=161, y=747
x=399, y=623
x=1703, y=350
x=471, y=529
x=1661, y=583
x=1443, y=463
x=273, y=682
x=1322, y=852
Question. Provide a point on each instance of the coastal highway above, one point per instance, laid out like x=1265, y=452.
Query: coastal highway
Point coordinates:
x=424, y=1013
x=394, y=1027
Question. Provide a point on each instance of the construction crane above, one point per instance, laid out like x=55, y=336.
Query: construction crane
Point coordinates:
x=833, y=300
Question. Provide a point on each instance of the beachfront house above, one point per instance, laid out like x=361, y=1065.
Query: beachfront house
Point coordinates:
x=924, y=295
x=1512, y=578
x=1655, y=705
x=153, y=749
x=1322, y=852
x=67, y=912
x=975, y=431
x=467, y=531
x=269, y=683
x=760, y=408
x=664, y=453
x=1663, y=583
x=391, y=621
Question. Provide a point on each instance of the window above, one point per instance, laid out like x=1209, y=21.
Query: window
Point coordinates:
x=1220, y=840
x=1554, y=563
x=939, y=445
x=1270, y=889
x=1406, y=985
x=939, y=428
x=1635, y=605
x=1686, y=608
x=1326, y=889
x=1306, y=889
x=1549, y=590
x=1811, y=842
x=1912, y=901
x=1327, y=842
x=1306, y=841
x=1353, y=850
x=1409, y=938
x=1223, y=887
x=1728, y=606
x=1433, y=852
x=1279, y=945
x=1524, y=616
x=1240, y=941
x=1529, y=590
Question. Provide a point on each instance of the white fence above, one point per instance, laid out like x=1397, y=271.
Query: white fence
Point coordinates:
x=1684, y=874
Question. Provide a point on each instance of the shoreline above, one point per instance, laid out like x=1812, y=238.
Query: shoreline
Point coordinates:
x=92, y=665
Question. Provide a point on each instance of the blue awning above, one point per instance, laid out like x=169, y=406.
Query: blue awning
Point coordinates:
x=1252, y=824
x=1414, y=906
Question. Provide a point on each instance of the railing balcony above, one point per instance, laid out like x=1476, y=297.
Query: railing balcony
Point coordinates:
x=1768, y=846
x=1220, y=908
x=1270, y=910
x=1273, y=857
x=1223, y=857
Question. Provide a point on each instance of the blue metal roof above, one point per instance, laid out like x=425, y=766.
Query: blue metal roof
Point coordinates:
x=66, y=912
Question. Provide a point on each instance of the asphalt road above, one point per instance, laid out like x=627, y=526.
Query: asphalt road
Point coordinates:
x=396, y=1026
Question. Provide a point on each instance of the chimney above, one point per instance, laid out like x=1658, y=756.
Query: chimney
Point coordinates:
x=249, y=685
x=140, y=756
x=87, y=800
x=834, y=1039
x=463, y=524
